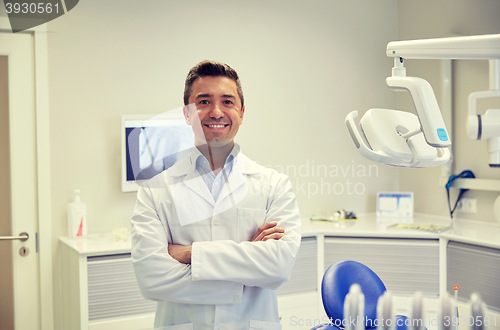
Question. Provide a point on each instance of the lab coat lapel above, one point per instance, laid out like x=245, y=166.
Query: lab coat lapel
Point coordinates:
x=195, y=182
x=193, y=202
x=236, y=186
x=186, y=171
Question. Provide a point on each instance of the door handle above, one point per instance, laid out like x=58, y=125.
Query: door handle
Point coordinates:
x=22, y=237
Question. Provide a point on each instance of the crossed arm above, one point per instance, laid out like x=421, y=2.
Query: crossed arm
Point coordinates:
x=212, y=272
x=269, y=230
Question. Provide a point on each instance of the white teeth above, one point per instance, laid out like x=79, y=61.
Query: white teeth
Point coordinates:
x=216, y=125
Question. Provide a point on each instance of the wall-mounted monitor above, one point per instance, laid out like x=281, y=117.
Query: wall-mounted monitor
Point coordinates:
x=152, y=143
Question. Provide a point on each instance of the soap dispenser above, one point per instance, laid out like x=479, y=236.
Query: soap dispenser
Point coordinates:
x=77, y=217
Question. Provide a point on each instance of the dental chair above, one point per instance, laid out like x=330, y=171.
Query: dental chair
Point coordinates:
x=351, y=290
x=339, y=285
x=336, y=283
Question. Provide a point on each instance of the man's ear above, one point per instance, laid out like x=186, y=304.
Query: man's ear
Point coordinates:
x=241, y=114
x=185, y=110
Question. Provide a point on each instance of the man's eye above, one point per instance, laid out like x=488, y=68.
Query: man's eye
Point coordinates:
x=228, y=102
x=203, y=102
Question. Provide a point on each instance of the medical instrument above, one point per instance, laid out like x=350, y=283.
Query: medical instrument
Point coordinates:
x=477, y=311
x=456, y=287
x=417, y=312
x=354, y=309
x=446, y=313
x=385, y=314
x=394, y=137
x=344, y=215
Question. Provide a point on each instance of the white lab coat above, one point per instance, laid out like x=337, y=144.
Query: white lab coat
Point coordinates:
x=231, y=282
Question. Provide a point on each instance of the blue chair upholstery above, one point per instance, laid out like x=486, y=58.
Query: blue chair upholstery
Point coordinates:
x=335, y=286
x=336, y=283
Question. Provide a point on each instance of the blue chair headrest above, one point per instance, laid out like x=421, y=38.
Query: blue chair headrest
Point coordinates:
x=336, y=283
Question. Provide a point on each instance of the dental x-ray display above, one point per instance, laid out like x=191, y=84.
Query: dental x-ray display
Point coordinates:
x=152, y=144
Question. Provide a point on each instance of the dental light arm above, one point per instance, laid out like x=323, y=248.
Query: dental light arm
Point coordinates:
x=399, y=141
x=485, y=47
x=432, y=123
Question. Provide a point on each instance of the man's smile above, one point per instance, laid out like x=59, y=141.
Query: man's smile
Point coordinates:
x=216, y=125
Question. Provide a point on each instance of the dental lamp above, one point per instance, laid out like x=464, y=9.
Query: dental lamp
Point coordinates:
x=404, y=139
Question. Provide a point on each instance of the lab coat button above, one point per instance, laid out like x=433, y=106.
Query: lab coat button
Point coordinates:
x=196, y=277
x=237, y=298
x=217, y=221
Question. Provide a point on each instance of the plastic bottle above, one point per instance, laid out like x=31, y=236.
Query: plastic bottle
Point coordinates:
x=77, y=217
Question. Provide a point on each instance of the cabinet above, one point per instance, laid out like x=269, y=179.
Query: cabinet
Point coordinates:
x=476, y=269
x=298, y=297
x=112, y=288
x=100, y=290
x=404, y=265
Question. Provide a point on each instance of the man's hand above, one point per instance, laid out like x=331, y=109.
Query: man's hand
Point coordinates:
x=181, y=253
x=268, y=231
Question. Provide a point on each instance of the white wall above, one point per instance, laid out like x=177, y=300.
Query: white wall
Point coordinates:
x=303, y=65
x=434, y=19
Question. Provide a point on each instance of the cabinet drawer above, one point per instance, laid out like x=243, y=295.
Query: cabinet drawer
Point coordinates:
x=112, y=288
x=475, y=269
x=304, y=276
x=404, y=265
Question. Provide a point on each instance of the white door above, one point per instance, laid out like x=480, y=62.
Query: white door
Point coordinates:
x=17, y=52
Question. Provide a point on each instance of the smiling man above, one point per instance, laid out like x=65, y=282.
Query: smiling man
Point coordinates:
x=214, y=108
x=214, y=236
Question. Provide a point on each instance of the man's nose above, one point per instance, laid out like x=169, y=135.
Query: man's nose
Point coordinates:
x=216, y=111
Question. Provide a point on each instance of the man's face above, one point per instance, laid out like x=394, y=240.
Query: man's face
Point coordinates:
x=214, y=109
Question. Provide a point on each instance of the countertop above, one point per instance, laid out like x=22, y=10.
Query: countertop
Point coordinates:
x=368, y=225
x=474, y=232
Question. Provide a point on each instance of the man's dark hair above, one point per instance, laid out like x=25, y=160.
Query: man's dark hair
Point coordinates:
x=214, y=69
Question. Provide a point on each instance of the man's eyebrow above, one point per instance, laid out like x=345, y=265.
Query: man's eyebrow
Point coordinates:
x=229, y=96
x=202, y=96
